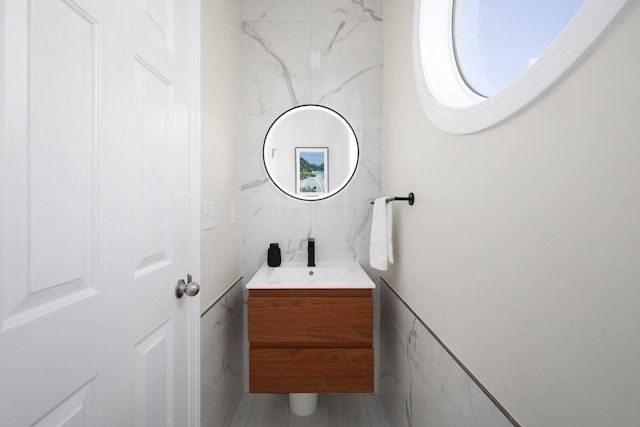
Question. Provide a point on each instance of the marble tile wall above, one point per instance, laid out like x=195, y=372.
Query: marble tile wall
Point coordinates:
x=221, y=358
x=420, y=383
x=278, y=36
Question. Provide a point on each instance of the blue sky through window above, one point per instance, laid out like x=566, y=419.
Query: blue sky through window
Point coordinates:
x=497, y=40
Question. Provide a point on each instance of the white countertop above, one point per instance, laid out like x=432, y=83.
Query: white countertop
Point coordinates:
x=329, y=275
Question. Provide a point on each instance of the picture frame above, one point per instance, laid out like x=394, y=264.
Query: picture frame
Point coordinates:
x=312, y=171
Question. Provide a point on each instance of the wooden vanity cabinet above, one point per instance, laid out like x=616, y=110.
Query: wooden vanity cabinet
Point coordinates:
x=310, y=340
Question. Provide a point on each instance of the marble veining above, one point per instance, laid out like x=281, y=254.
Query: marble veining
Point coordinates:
x=278, y=36
x=229, y=306
x=221, y=371
x=358, y=235
x=276, y=10
x=366, y=10
x=286, y=74
x=273, y=61
x=421, y=384
x=276, y=66
x=350, y=78
x=255, y=183
x=221, y=358
x=347, y=81
x=317, y=10
x=341, y=234
x=359, y=10
x=339, y=37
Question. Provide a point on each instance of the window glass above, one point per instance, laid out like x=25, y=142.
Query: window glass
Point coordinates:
x=495, y=41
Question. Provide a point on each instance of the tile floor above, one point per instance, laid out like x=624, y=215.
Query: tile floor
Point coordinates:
x=334, y=410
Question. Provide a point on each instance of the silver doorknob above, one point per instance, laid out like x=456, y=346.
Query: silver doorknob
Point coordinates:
x=191, y=288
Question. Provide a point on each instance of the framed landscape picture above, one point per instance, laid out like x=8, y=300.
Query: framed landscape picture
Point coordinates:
x=312, y=170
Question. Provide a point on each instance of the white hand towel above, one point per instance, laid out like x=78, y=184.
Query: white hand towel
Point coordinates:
x=381, y=245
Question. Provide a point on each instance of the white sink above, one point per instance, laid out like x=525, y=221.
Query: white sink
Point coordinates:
x=304, y=274
x=334, y=275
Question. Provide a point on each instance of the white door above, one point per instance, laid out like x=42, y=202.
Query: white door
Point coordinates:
x=94, y=151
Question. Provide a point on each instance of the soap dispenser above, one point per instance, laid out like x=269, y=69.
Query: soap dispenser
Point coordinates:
x=273, y=255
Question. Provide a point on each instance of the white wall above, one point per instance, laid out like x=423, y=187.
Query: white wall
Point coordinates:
x=522, y=250
x=221, y=97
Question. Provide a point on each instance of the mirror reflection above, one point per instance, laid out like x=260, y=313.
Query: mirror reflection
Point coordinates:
x=310, y=152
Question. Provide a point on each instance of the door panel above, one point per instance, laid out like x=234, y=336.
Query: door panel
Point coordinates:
x=79, y=410
x=161, y=131
x=51, y=238
x=158, y=17
x=154, y=393
x=62, y=87
x=153, y=138
x=94, y=212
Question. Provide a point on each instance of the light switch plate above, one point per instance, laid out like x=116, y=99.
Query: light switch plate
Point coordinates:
x=208, y=215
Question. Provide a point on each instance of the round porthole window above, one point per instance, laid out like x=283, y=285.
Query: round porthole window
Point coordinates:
x=478, y=62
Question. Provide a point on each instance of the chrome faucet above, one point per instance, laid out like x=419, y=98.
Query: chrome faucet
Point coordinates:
x=311, y=252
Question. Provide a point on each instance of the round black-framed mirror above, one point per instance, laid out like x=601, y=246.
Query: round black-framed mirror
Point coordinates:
x=311, y=152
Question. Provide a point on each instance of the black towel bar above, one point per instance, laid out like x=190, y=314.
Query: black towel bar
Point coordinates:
x=411, y=198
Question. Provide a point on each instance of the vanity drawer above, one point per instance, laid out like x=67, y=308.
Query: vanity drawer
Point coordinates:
x=311, y=370
x=312, y=319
